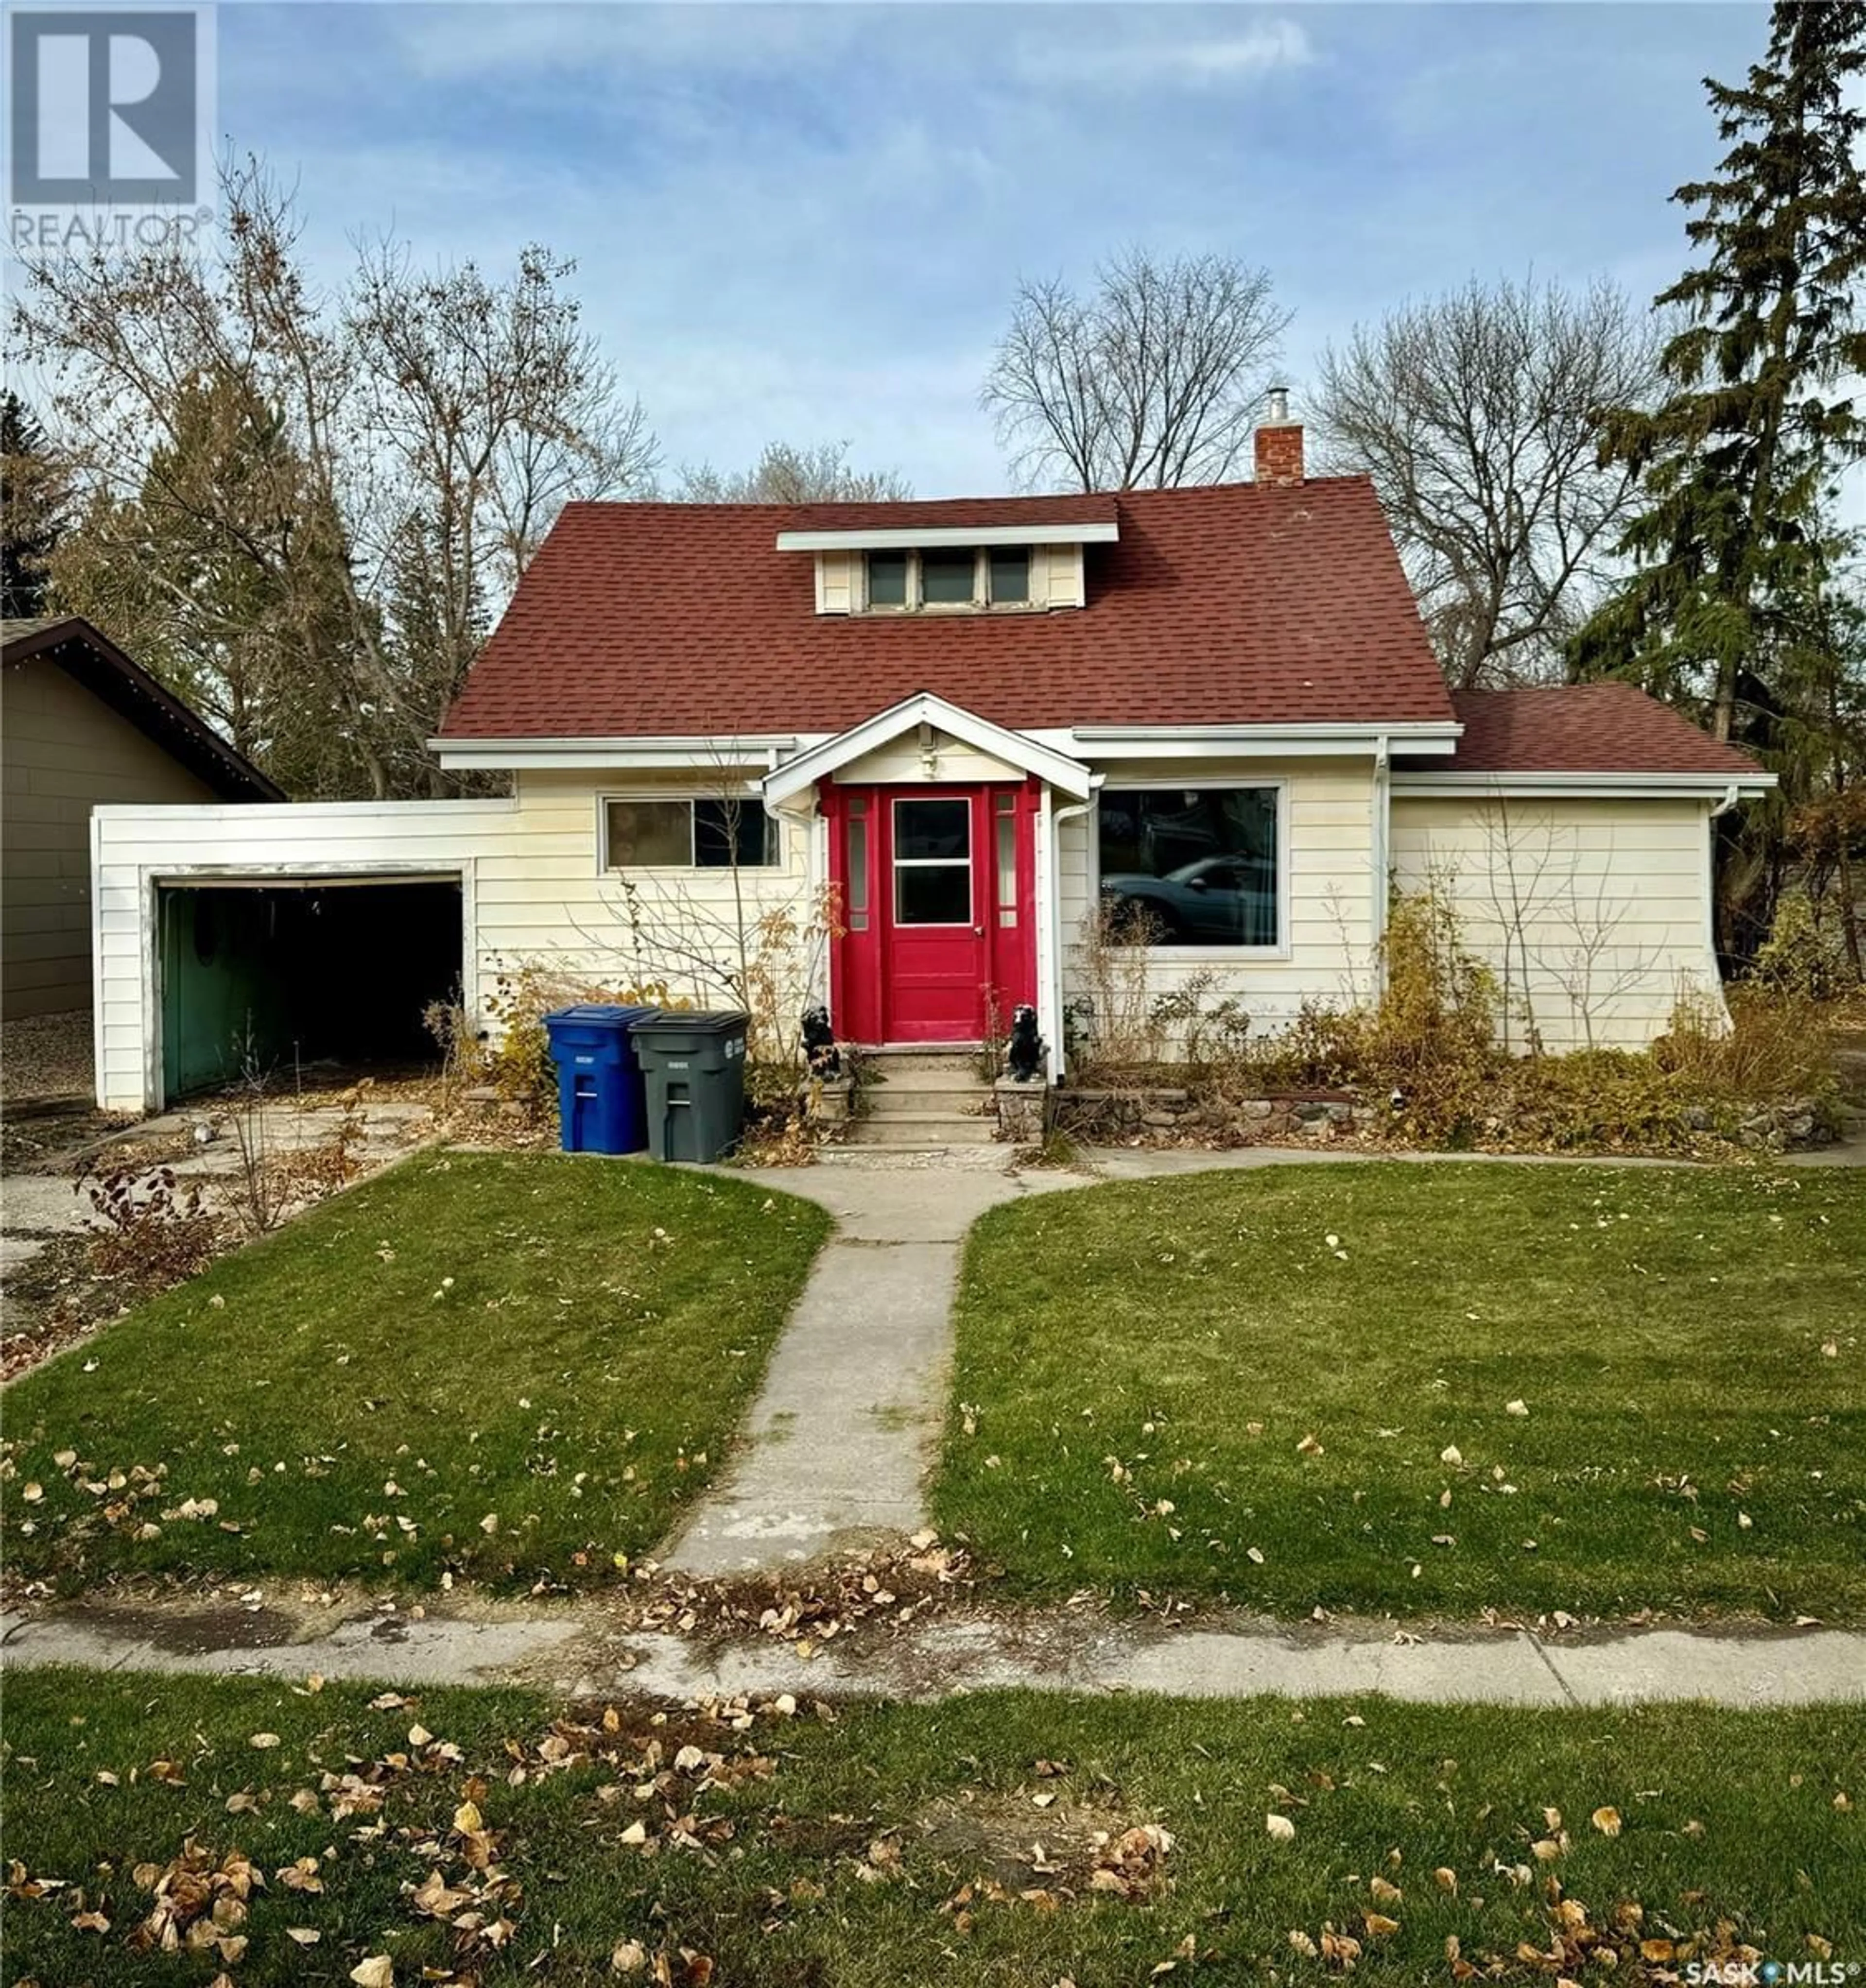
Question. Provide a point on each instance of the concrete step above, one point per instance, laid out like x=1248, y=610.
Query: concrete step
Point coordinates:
x=889, y=1100
x=892, y=1064
x=889, y=1081
x=925, y=1131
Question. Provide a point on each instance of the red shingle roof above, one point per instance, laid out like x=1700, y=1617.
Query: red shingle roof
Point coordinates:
x=1596, y=727
x=1235, y=603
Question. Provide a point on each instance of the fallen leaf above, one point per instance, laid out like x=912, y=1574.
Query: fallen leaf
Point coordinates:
x=305, y=1936
x=1607, y=1820
x=1280, y=1827
x=378, y=1971
x=264, y=1741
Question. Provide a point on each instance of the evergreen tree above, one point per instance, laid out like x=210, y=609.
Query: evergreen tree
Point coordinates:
x=1730, y=556
x=33, y=504
x=222, y=575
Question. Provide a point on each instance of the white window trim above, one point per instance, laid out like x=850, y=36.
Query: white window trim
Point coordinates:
x=968, y=862
x=748, y=797
x=1206, y=955
x=980, y=603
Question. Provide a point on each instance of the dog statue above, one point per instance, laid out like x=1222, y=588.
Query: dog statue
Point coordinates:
x=819, y=1050
x=1025, y=1052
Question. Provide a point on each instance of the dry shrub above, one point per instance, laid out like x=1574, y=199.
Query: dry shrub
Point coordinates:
x=1428, y=1050
x=515, y=1058
x=1429, y=1041
x=149, y=1230
x=1805, y=955
x=1777, y=1043
x=1113, y=1032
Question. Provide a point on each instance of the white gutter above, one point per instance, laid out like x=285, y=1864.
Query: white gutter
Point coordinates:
x=1405, y=733
x=1290, y=742
x=1601, y=785
x=890, y=538
x=762, y=749
x=1730, y=795
x=1382, y=774
x=1053, y=819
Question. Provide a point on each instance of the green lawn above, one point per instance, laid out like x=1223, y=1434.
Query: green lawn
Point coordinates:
x=510, y=1366
x=837, y=1855
x=1158, y=1384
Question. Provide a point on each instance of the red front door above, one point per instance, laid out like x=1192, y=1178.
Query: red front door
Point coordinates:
x=935, y=891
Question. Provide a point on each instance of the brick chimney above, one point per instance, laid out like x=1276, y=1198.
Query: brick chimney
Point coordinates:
x=1279, y=441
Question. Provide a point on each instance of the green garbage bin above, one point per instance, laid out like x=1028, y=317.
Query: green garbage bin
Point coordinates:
x=694, y=1067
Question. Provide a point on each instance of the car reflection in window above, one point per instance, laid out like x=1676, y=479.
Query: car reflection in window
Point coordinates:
x=1217, y=901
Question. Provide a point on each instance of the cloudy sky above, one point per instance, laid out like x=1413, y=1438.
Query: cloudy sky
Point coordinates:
x=807, y=222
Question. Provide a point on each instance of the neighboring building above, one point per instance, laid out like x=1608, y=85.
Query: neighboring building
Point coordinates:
x=81, y=724
x=974, y=722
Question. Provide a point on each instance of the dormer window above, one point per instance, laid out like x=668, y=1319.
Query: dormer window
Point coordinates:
x=904, y=561
x=950, y=577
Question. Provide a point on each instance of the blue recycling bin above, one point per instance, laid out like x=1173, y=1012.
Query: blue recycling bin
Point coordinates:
x=601, y=1107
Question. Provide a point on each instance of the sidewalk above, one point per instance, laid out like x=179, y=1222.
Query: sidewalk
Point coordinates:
x=578, y=1652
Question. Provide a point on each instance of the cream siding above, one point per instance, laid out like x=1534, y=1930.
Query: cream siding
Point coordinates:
x=545, y=900
x=1328, y=891
x=838, y=582
x=901, y=762
x=1056, y=577
x=1593, y=914
x=64, y=751
x=533, y=893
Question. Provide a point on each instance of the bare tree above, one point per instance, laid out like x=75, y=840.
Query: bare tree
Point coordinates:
x=376, y=464
x=1562, y=931
x=786, y=474
x=1151, y=380
x=1477, y=414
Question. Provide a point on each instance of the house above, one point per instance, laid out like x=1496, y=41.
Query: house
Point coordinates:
x=969, y=725
x=83, y=724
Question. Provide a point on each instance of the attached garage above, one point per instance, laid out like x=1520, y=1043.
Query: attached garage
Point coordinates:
x=303, y=933
x=277, y=974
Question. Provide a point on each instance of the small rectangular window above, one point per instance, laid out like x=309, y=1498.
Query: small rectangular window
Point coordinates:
x=949, y=578
x=887, y=579
x=690, y=834
x=1010, y=574
x=644, y=835
x=1006, y=825
x=733, y=833
x=857, y=865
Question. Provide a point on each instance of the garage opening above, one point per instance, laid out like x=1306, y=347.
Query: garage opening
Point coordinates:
x=286, y=975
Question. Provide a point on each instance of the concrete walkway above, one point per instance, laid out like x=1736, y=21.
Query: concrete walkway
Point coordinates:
x=578, y=1651
x=840, y=1440
x=837, y=1447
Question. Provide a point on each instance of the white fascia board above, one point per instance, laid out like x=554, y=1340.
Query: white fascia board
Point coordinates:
x=754, y=749
x=1582, y=786
x=156, y=814
x=1278, y=742
x=893, y=538
x=1017, y=749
